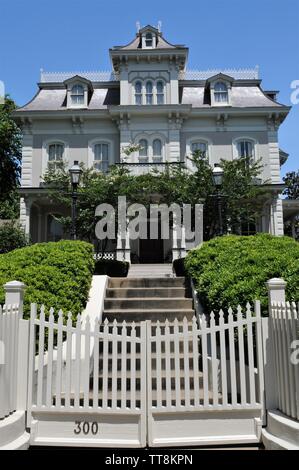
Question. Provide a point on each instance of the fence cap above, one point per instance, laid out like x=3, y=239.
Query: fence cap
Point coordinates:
x=14, y=286
x=276, y=283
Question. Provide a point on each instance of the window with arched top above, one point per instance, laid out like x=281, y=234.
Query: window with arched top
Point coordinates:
x=157, y=151
x=77, y=95
x=138, y=92
x=149, y=92
x=101, y=157
x=148, y=40
x=55, y=155
x=143, y=152
x=202, y=147
x=160, y=92
x=221, y=92
x=245, y=148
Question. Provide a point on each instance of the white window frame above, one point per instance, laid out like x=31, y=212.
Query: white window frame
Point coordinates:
x=156, y=91
x=77, y=95
x=202, y=140
x=254, y=142
x=228, y=87
x=141, y=94
x=144, y=93
x=150, y=150
x=72, y=105
x=91, y=151
x=216, y=92
x=45, y=152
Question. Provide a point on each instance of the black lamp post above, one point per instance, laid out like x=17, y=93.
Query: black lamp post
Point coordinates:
x=218, y=179
x=75, y=175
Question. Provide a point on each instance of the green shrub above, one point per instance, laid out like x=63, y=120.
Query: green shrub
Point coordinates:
x=233, y=270
x=112, y=268
x=57, y=274
x=12, y=236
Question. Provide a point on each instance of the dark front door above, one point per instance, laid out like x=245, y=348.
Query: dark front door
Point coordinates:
x=151, y=251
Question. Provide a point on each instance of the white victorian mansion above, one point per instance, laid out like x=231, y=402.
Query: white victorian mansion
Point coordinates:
x=149, y=98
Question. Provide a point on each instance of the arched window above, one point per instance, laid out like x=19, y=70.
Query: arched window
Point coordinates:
x=101, y=157
x=160, y=92
x=138, y=92
x=200, y=146
x=143, y=152
x=245, y=149
x=148, y=40
x=221, y=93
x=157, y=151
x=149, y=92
x=55, y=155
x=77, y=95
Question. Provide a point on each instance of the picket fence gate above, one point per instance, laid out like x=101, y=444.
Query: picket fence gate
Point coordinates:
x=148, y=383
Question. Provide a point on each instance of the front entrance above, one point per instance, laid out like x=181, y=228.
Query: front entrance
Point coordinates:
x=151, y=251
x=136, y=384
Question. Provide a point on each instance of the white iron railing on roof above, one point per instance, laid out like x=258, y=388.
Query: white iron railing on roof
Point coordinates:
x=238, y=74
x=241, y=74
x=50, y=77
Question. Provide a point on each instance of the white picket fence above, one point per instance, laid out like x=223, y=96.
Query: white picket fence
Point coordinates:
x=146, y=371
x=9, y=331
x=285, y=326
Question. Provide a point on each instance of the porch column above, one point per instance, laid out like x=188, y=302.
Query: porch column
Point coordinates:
x=276, y=217
x=25, y=209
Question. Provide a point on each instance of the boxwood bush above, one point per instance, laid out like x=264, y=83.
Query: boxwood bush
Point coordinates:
x=232, y=270
x=57, y=274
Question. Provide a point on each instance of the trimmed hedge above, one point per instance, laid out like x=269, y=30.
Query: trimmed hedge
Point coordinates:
x=112, y=268
x=57, y=274
x=233, y=270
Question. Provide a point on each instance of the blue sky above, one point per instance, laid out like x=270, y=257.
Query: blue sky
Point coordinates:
x=67, y=35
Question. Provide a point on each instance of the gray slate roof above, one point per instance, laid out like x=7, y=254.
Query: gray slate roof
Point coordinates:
x=241, y=97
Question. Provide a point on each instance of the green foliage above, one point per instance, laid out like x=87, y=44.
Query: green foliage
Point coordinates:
x=12, y=236
x=291, y=181
x=10, y=151
x=57, y=274
x=112, y=268
x=233, y=270
x=176, y=184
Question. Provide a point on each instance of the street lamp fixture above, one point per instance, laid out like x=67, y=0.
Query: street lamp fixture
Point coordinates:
x=218, y=180
x=218, y=176
x=75, y=175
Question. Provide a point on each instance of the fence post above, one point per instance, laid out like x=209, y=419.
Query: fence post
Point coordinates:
x=14, y=294
x=276, y=293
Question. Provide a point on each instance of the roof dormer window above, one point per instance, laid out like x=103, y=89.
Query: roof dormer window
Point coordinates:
x=77, y=95
x=220, y=92
x=148, y=40
x=79, y=91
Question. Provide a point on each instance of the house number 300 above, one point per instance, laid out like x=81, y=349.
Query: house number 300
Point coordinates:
x=86, y=428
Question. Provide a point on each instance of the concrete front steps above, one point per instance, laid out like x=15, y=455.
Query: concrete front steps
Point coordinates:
x=150, y=270
x=281, y=433
x=147, y=298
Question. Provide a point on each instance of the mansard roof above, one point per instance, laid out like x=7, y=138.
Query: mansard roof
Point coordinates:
x=135, y=44
x=242, y=96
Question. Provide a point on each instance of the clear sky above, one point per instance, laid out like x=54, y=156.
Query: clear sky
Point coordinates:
x=74, y=35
